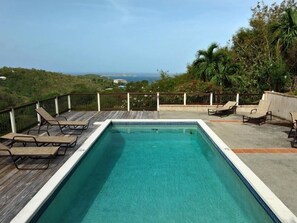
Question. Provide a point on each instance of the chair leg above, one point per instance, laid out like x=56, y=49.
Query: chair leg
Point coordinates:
x=295, y=137
x=46, y=166
x=39, y=128
x=290, y=132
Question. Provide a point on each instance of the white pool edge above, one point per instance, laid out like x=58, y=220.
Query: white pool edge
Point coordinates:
x=271, y=200
x=281, y=211
x=33, y=206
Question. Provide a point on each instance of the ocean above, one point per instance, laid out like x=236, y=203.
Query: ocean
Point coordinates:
x=133, y=77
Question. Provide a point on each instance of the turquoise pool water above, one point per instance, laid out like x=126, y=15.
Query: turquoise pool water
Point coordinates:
x=153, y=173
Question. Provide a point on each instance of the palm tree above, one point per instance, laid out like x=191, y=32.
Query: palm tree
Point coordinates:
x=284, y=32
x=215, y=65
x=207, y=63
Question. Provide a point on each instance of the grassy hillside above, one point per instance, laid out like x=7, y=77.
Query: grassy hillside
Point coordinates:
x=28, y=85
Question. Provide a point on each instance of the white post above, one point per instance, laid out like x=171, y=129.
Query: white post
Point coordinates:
x=12, y=121
x=57, y=106
x=128, y=102
x=237, y=99
x=38, y=116
x=263, y=96
x=211, y=98
x=185, y=98
x=98, y=101
x=69, y=102
x=158, y=101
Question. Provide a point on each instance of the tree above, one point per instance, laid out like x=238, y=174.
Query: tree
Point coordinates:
x=216, y=65
x=284, y=31
x=255, y=47
x=207, y=63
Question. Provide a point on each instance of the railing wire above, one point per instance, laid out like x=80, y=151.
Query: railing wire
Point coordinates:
x=171, y=98
x=84, y=102
x=25, y=117
x=5, y=126
x=198, y=99
x=49, y=105
x=143, y=102
x=116, y=102
x=63, y=103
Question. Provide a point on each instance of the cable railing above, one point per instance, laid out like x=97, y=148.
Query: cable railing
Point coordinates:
x=5, y=125
x=198, y=99
x=113, y=101
x=49, y=105
x=142, y=102
x=223, y=98
x=249, y=99
x=23, y=117
x=63, y=103
x=84, y=102
x=171, y=98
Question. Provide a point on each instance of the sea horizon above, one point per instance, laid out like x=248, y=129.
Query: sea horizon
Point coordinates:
x=128, y=76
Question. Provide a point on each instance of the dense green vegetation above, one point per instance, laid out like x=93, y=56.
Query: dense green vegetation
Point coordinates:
x=29, y=85
x=260, y=57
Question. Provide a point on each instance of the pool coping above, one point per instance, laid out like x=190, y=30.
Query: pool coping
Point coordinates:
x=272, y=201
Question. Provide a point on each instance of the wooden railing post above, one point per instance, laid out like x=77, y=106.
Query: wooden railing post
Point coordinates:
x=211, y=98
x=98, y=101
x=237, y=99
x=12, y=120
x=38, y=116
x=158, y=101
x=185, y=98
x=128, y=102
x=57, y=106
x=69, y=102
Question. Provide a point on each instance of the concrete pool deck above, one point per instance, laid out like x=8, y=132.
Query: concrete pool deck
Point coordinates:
x=276, y=166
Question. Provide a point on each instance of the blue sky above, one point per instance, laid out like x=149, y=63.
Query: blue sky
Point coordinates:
x=115, y=35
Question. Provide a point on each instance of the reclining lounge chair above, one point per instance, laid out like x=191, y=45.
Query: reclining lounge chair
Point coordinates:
x=294, y=127
x=46, y=118
x=259, y=115
x=31, y=152
x=62, y=141
x=230, y=106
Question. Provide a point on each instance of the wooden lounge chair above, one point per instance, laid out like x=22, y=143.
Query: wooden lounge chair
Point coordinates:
x=229, y=107
x=46, y=118
x=31, y=152
x=259, y=115
x=293, y=127
x=62, y=141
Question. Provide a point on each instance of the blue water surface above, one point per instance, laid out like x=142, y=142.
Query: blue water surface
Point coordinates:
x=154, y=173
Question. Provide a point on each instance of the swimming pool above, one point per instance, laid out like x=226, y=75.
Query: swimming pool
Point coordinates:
x=155, y=172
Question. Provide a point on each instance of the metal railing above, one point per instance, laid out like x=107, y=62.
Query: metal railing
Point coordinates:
x=84, y=102
x=171, y=98
x=223, y=98
x=113, y=101
x=142, y=102
x=198, y=99
x=23, y=117
x=249, y=99
x=63, y=103
x=5, y=125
